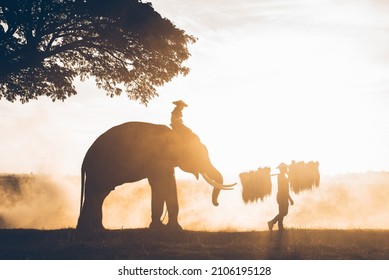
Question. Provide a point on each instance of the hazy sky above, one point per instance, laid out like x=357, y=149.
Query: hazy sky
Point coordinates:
x=270, y=81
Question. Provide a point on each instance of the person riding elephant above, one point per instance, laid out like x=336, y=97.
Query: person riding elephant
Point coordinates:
x=134, y=151
x=176, y=118
x=176, y=122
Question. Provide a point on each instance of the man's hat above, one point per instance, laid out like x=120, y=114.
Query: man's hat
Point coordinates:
x=282, y=165
x=180, y=103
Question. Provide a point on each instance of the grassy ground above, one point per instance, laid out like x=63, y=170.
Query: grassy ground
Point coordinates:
x=144, y=244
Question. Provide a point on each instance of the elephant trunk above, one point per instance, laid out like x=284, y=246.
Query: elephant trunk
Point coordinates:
x=215, y=195
x=216, y=176
x=215, y=179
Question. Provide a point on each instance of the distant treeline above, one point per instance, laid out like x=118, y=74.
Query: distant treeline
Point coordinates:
x=13, y=181
x=257, y=183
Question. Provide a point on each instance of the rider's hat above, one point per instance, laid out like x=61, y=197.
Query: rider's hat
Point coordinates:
x=282, y=165
x=180, y=103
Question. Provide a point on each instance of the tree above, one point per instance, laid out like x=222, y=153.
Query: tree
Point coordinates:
x=123, y=44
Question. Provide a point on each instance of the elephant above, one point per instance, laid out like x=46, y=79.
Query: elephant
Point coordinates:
x=133, y=151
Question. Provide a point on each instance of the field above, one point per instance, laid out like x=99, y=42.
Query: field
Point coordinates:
x=234, y=230
x=298, y=244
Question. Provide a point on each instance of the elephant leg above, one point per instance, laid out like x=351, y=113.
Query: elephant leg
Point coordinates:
x=164, y=189
x=91, y=216
x=157, y=203
x=172, y=203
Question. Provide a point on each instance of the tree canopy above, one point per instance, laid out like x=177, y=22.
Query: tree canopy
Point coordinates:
x=122, y=44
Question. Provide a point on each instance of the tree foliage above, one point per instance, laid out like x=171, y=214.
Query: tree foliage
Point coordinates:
x=123, y=44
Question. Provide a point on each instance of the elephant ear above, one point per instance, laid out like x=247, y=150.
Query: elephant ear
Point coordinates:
x=187, y=150
x=177, y=145
x=184, y=137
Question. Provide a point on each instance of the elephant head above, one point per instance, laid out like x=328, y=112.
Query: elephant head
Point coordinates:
x=192, y=157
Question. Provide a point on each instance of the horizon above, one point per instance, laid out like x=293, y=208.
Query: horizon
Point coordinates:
x=333, y=204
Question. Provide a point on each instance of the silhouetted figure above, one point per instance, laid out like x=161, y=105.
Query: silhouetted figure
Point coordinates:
x=176, y=119
x=176, y=122
x=283, y=198
x=133, y=151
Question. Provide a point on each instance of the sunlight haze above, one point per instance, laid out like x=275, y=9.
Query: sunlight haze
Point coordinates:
x=270, y=82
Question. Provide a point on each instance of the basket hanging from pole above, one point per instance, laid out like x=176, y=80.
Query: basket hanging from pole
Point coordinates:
x=256, y=184
x=304, y=176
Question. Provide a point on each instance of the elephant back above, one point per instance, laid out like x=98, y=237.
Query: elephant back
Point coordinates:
x=126, y=150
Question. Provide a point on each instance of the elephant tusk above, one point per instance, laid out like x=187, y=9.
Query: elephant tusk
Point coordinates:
x=215, y=184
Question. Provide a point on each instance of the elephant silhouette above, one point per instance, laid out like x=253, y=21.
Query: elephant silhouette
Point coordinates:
x=134, y=151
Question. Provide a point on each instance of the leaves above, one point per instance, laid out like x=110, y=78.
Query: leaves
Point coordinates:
x=124, y=44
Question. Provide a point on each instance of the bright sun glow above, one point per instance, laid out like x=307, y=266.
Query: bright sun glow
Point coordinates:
x=290, y=96
x=269, y=82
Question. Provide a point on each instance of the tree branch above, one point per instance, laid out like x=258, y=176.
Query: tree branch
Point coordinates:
x=123, y=62
x=50, y=43
x=85, y=42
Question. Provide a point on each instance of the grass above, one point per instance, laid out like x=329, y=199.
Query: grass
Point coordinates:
x=298, y=244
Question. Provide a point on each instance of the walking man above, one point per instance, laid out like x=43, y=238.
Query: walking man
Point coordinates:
x=283, y=198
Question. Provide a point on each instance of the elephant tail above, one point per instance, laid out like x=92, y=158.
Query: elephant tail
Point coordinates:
x=82, y=187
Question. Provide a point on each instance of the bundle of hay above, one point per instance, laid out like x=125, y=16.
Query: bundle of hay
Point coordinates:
x=303, y=176
x=255, y=184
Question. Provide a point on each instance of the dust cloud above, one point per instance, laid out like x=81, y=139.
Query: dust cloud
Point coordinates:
x=349, y=201
x=37, y=201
